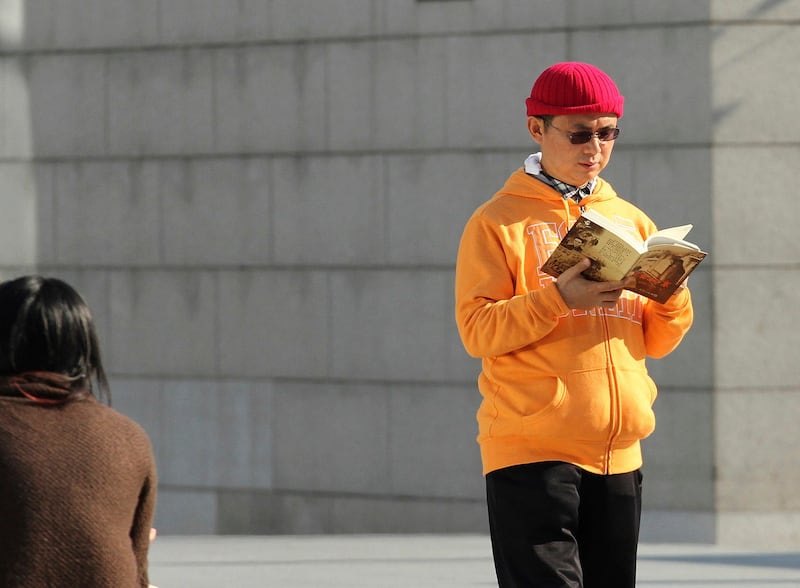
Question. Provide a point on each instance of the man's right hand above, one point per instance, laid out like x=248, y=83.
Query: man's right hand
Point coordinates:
x=583, y=294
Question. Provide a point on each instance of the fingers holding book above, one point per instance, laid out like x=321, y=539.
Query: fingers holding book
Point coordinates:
x=583, y=294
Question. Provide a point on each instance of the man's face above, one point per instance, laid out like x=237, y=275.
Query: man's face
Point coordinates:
x=573, y=164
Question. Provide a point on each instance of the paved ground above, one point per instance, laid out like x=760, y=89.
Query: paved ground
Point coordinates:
x=428, y=561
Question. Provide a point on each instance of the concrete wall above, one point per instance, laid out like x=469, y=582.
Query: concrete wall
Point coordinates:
x=262, y=202
x=756, y=272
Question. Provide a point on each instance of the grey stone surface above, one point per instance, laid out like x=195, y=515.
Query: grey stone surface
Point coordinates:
x=186, y=511
x=16, y=133
x=757, y=385
x=274, y=323
x=162, y=323
x=72, y=120
x=520, y=13
x=104, y=202
x=329, y=211
x=745, y=232
x=753, y=75
x=191, y=453
x=12, y=24
x=18, y=231
x=754, y=10
x=200, y=21
x=430, y=428
x=270, y=98
x=89, y=23
x=753, y=329
x=391, y=325
x=293, y=19
x=428, y=17
x=332, y=438
x=764, y=442
x=604, y=11
x=655, y=11
x=411, y=98
x=408, y=515
x=160, y=102
x=214, y=212
x=276, y=511
x=679, y=457
x=350, y=96
x=635, y=12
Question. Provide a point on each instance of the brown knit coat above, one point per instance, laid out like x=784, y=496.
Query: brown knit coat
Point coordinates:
x=77, y=495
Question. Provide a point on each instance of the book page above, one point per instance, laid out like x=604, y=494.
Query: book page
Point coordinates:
x=619, y=231
x=672, y=235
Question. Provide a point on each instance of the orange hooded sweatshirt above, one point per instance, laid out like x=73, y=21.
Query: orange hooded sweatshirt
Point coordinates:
x=557, y=384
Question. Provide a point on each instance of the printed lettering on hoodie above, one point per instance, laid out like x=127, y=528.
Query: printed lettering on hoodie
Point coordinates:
x=546, y=237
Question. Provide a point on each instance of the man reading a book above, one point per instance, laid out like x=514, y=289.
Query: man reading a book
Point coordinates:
x=566, y=393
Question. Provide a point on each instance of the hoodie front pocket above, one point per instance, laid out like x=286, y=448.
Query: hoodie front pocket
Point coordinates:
x=508, y=413
x=591, y=405
x=584, y=411
x=542, y=396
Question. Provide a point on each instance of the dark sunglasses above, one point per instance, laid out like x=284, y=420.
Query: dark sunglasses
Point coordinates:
x=581, y=137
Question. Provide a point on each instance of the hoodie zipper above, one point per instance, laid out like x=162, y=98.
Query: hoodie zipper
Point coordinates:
x=615, y=410
x=615, y=420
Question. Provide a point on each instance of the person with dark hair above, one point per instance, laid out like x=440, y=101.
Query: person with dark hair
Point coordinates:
x=566, y=393
x=77, y=478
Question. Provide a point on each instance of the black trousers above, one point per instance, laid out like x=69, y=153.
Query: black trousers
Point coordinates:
x=554, y=525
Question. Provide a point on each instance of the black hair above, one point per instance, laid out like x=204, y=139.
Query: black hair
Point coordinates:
x=46, y=326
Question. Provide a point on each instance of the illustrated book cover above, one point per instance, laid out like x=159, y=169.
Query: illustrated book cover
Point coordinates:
x=659, y=264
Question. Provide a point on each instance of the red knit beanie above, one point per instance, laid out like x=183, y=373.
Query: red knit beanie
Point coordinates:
x=574, y=88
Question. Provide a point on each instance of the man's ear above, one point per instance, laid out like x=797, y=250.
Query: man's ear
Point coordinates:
x=536, y=128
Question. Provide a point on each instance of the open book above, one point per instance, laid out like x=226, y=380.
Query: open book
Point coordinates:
x=659, y=264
